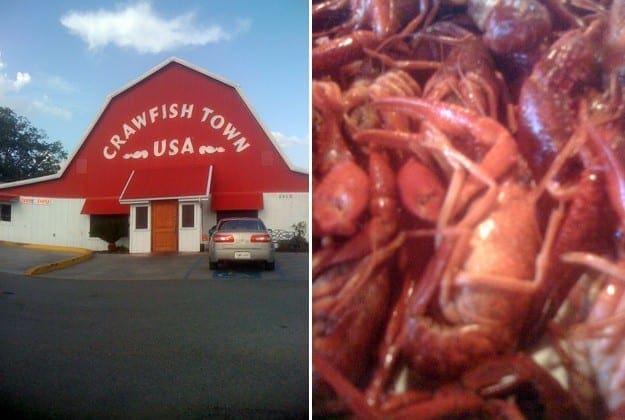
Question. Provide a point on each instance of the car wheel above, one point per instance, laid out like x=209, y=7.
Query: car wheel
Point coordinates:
x=212, y=265
x=270, y=265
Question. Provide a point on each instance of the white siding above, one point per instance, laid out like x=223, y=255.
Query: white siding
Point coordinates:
x=58, y=222
x=140, y=239
x=189, y=238
x=283, y=210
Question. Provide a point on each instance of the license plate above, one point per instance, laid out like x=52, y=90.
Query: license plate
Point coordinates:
x=242, y=255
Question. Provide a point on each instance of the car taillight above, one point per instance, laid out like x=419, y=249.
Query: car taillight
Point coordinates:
x=223, y=237
x=261, y=237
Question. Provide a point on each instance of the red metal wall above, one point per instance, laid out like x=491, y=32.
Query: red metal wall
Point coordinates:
x=246, y=162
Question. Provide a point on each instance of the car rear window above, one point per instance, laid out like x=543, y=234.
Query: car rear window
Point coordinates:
x=241, y=225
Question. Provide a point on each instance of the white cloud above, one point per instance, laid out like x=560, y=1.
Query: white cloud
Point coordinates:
x=21, y=79
x=287, y=141
x=61, y=85
x=22, y=103
x=294, y=147
x=46, y=107
x=139, y=27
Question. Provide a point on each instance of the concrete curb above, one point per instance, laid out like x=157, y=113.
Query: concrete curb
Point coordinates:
x=82, y=255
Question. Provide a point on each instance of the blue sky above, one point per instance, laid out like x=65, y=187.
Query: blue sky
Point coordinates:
x=60, y=59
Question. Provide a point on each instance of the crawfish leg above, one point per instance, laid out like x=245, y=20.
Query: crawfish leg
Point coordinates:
x=615, y=174
x=582, y=229
x=363, y=273
x=455, y=404
x=514, y=284
x=505, y=375
x=415, y=292
x=475, y=84
x=351, y=395
x=346, y=336
x=454, y=120
x=330, y=56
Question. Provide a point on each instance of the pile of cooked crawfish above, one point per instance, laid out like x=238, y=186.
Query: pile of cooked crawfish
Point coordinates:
x=468, y=208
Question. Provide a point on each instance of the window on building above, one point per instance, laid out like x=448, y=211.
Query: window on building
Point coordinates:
x=188, y=215
x=141, y=217
x=5, y=212
x=108, y=227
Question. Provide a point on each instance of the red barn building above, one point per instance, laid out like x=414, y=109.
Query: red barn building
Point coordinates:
x=173, y=151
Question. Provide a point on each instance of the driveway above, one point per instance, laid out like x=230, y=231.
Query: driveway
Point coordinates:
x=179, y=340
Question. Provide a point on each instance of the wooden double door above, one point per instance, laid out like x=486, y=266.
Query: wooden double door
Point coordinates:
x=165, y=226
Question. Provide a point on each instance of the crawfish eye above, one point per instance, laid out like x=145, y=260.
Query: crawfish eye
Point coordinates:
x=425, y=199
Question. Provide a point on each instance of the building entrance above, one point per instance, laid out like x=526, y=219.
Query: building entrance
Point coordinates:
x=165, y=226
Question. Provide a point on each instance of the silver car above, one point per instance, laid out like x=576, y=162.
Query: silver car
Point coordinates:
x=241, y=239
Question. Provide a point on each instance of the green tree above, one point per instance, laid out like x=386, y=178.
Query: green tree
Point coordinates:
x=109, y=228
x=24, y=150
x=299, y=238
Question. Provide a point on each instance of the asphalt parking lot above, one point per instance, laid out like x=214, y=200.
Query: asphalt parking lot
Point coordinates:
x=125, y=336
x=105, y=266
